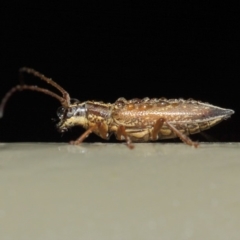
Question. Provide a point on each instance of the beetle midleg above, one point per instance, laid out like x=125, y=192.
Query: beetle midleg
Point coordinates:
x=182, y=136
x=122, y=132
x=102, y=130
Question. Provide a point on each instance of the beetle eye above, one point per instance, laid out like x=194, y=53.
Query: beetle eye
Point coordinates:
x=60, y=112
x=71, y=111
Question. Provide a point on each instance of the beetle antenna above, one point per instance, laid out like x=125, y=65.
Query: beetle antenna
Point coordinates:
x=49, y=81
x=64, y=100
x=31, y=88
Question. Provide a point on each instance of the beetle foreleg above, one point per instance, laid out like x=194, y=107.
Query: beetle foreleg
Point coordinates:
x=84, y=135
x=122, y=132
x=98, y=126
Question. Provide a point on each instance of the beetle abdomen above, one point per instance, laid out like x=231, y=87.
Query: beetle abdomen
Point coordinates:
x=144, y=113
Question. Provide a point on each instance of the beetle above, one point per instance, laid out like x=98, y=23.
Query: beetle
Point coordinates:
x=135, y=120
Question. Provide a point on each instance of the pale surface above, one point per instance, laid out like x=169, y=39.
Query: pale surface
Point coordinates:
x=108, y=192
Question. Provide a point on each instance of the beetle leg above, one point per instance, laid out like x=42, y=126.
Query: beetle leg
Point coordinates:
x=122, y=132
x=103, y=130
x=157, y=126
x=99, y=126
x=182, y=136
x=84, y=135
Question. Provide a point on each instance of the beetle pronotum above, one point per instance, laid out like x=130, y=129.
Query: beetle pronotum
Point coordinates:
x=136, y=120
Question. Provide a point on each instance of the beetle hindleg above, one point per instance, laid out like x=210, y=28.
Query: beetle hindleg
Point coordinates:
x=158, y=125
x=122, y=132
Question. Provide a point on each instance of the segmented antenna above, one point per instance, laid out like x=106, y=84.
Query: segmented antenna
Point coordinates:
x=64, y=100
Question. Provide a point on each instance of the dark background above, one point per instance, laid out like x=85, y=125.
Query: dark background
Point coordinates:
x=100, y=51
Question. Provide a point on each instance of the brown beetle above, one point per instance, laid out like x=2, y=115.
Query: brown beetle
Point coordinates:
x=136, y=120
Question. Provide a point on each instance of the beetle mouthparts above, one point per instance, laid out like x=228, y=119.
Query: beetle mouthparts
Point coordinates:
x=62, y=130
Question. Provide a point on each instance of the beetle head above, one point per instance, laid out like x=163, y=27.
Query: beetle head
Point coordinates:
x=71, y=116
